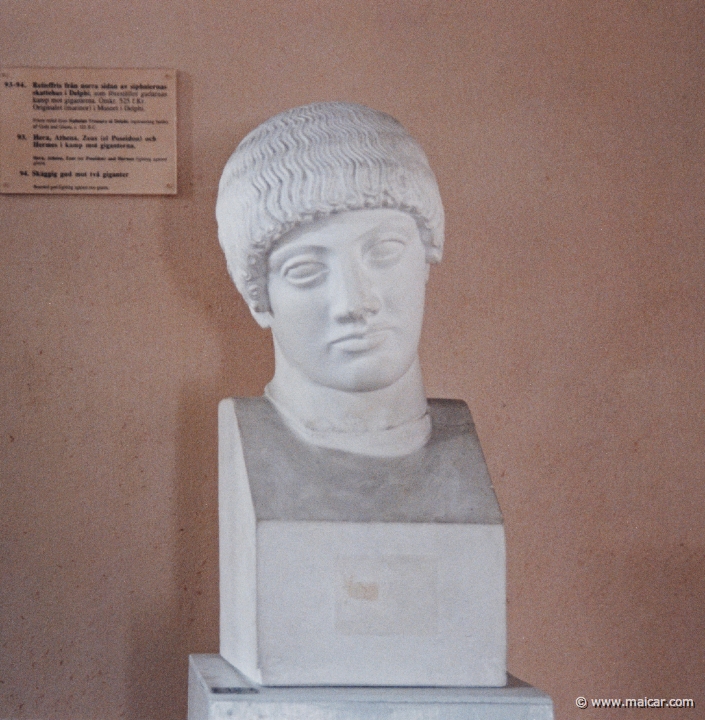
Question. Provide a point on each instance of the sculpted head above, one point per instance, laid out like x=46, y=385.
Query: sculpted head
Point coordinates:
x=329, y=216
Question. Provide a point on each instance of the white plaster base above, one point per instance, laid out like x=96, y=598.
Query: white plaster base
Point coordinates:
x=217, y=691
x=341, y=570
x=416, y=604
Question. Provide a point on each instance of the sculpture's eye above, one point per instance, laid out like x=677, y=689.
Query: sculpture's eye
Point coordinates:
x=304, y=273
x=385, y=252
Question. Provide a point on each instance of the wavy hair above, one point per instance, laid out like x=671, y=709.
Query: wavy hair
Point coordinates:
x=310, y=162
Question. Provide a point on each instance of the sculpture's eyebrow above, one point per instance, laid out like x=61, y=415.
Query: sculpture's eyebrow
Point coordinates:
x=395, y=229
x=389, y=224
x=282, y=254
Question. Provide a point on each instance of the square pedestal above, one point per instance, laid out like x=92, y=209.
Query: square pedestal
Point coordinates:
x=217, y=691
x=381, y=604
x=337, y=569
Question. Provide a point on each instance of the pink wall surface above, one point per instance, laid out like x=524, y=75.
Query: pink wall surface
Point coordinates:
x=568, y=140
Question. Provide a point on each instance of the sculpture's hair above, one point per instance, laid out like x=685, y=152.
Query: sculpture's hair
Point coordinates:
x=308, y=163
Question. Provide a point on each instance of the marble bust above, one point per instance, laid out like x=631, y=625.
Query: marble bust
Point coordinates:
x=329, y=216
x=361, y=541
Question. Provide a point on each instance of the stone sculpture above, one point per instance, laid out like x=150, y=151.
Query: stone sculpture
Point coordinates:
x=360, y=539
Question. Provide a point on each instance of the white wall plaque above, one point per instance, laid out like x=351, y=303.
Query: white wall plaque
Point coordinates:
x=88, y=131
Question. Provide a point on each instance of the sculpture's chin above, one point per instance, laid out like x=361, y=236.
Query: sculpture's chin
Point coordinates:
x=364, y=376
x=361, y=386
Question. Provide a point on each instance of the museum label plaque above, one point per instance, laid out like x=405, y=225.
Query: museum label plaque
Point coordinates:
x=88, y=131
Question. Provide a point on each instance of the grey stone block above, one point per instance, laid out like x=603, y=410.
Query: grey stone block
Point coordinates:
x=217, y=691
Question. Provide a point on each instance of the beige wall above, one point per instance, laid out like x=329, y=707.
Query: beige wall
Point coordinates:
x=568, y=142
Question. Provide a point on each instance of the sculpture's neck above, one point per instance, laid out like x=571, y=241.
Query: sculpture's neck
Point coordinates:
x=389, y=422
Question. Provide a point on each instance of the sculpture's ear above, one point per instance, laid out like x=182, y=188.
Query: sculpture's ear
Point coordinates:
x=263, y=319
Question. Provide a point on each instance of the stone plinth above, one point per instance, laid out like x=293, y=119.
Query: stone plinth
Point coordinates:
x=217, y=691
x=340, y=569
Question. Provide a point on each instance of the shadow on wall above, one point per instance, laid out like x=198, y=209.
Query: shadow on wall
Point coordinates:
x=156, y=678
x=162, y=637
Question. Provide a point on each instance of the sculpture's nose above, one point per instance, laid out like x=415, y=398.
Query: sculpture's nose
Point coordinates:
x=354, y=296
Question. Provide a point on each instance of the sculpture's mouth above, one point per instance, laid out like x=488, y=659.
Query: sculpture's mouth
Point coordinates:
x=361, y=341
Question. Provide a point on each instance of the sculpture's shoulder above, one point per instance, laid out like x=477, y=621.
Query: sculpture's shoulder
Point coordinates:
x=445, y=481
x=450, y=413
x=249, y=407
x=247, y=410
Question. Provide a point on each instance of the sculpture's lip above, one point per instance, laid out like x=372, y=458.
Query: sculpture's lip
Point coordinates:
x=362, y=340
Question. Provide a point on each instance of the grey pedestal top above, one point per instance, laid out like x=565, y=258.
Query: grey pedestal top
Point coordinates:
x=217, y=690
